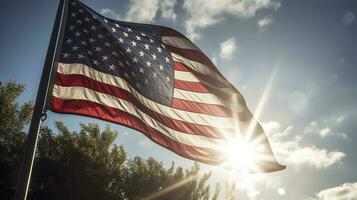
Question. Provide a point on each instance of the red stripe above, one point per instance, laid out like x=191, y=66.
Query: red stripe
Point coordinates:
x=196, y=86
x=202, y=77
x=172, y=32
x=213, y=86
x=90, y=109
x=190, y=106
x=83, y=81
x=186, y=127
x=190, y=86
x=193, y=55
x=200, y=88
x=179, y=66
x=203, y=59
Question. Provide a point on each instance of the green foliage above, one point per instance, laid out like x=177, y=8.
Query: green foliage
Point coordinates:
x=83, y=165
x=230, y=191
x=150, y=180
x=13, y=118
x=216, y=192
x=86, y=164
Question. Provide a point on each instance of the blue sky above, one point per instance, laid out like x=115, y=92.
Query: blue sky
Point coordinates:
x=309, y=112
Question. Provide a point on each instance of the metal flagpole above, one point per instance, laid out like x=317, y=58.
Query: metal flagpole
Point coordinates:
x=31, y=140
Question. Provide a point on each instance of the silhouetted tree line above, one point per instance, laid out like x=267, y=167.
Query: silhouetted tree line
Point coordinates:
x=86, y=164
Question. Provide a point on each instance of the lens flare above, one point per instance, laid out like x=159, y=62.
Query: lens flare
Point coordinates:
x=244, y=155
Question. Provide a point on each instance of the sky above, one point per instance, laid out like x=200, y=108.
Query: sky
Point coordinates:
x=306, y=48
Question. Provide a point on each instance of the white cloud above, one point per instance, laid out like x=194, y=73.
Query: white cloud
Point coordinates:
x=146, y=10
x=227, y=48
x=264, y=23
x=204, y=13
x=314, y=128
x=340, y=119
x=313, y=156
x=281, y=191
x=271, y=127
x=167, y=9
x=142, y=11
x=323, y=132
x=110, y=13
x=348, y=18
x=292, y=152
x=346, y=191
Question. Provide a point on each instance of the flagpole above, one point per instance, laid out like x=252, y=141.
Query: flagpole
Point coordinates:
x=31, y=140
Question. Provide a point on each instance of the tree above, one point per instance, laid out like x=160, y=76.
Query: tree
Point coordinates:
x=149, y=179
x=14, y=118
x=86, y=164
x=83, y=165
x=230, y=191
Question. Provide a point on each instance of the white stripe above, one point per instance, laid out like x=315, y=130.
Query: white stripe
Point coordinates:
x=178, y=42
x=189, y=77
x=115, y=102
x=206, y=98
x=185, y=76
x=198, y=67
x=191, y=117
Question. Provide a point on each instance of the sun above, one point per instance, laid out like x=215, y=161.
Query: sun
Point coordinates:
x=243, y=155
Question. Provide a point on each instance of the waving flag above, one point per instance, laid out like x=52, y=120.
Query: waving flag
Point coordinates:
x=152, y=79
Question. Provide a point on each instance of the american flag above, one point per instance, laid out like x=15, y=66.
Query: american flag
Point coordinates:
x=154, y=80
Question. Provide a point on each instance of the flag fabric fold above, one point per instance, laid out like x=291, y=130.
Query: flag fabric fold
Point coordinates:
x=154, y=80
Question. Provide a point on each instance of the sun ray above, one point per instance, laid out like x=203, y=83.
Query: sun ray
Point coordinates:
x=174, y=186
x=245, y=153
x=261, y=104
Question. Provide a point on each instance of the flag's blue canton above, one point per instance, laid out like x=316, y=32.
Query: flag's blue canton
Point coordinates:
x=131, y=51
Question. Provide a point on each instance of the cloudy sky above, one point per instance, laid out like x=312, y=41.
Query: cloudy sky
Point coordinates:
x=305, y=49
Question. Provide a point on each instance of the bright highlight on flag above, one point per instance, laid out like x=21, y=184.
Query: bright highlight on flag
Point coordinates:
x=154, y=80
